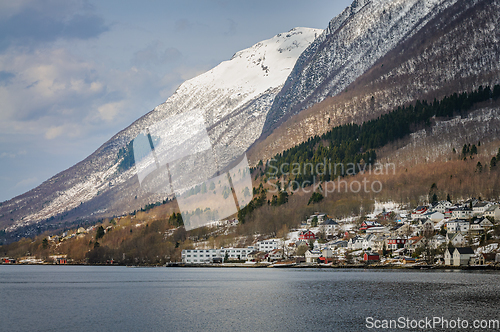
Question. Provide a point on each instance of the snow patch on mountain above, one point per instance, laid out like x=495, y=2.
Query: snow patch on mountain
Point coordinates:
x=235, y=97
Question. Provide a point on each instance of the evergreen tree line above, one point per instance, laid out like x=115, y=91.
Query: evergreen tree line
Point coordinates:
x=355, y=144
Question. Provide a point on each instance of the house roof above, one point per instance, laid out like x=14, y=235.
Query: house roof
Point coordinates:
x=481, y=204
x=491, y=208
x=457, y=220
x=465, y=250
x=452, y=236
x=329, y=222
x=478, y=221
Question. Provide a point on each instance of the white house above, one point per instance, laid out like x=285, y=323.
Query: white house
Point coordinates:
x=479, y=208
x=480, y=225
x=268, y=245
x=236, y=253
x=329, y=226
x=442, y=206
x=457, y=225
x=427, y=226
x=448, y=256
x=368, y=241
x=492, y=211
x=438, y=240
x=456, y=239
x=355, y=243
x=414, y=243
x=462, y=213
x=312, y=256
x=327, y=252
x=275, y=255
x=459, y=256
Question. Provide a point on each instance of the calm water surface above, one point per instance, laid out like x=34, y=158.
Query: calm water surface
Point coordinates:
x=86, y=298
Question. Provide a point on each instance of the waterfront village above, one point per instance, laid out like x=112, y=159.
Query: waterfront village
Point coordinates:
x=439, y=234
x=465, y=234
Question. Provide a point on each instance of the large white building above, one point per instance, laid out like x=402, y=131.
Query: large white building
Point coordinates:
x=268, y=245
x=205, y=256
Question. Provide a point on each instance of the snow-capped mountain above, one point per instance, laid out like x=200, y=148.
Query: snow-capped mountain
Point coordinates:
x=374, y=56
x=235, y=97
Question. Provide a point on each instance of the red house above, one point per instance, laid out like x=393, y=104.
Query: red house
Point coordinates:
x=9, y=260
x=306, y=235
x=395, y=243
x=371, y=257
x=368, y=224
x=61, y=260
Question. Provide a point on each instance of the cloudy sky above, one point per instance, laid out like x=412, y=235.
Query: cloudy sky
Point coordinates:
x=74, y=73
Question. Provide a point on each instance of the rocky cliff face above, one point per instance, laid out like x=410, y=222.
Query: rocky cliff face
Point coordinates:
x=353, y=42
x=234, y=97
x=454, y=51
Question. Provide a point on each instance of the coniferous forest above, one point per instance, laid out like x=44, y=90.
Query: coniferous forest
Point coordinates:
x=356, y=144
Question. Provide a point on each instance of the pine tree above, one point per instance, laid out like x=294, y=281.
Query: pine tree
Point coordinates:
x=493, y=163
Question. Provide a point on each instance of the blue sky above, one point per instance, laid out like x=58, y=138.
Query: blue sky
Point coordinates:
x=74, y=73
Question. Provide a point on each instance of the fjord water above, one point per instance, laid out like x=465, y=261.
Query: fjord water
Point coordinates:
x=94, y=298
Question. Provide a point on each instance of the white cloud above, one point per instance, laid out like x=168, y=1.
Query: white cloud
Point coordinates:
x=109, y=111
x=12, y=154
x=44, y=81
x=54, y=132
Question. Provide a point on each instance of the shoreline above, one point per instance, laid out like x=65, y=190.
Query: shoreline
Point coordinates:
x=340, y=267
x=293, y=266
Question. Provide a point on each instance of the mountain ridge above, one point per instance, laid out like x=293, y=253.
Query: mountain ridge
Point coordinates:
x=235, y=96
x=416, y=69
